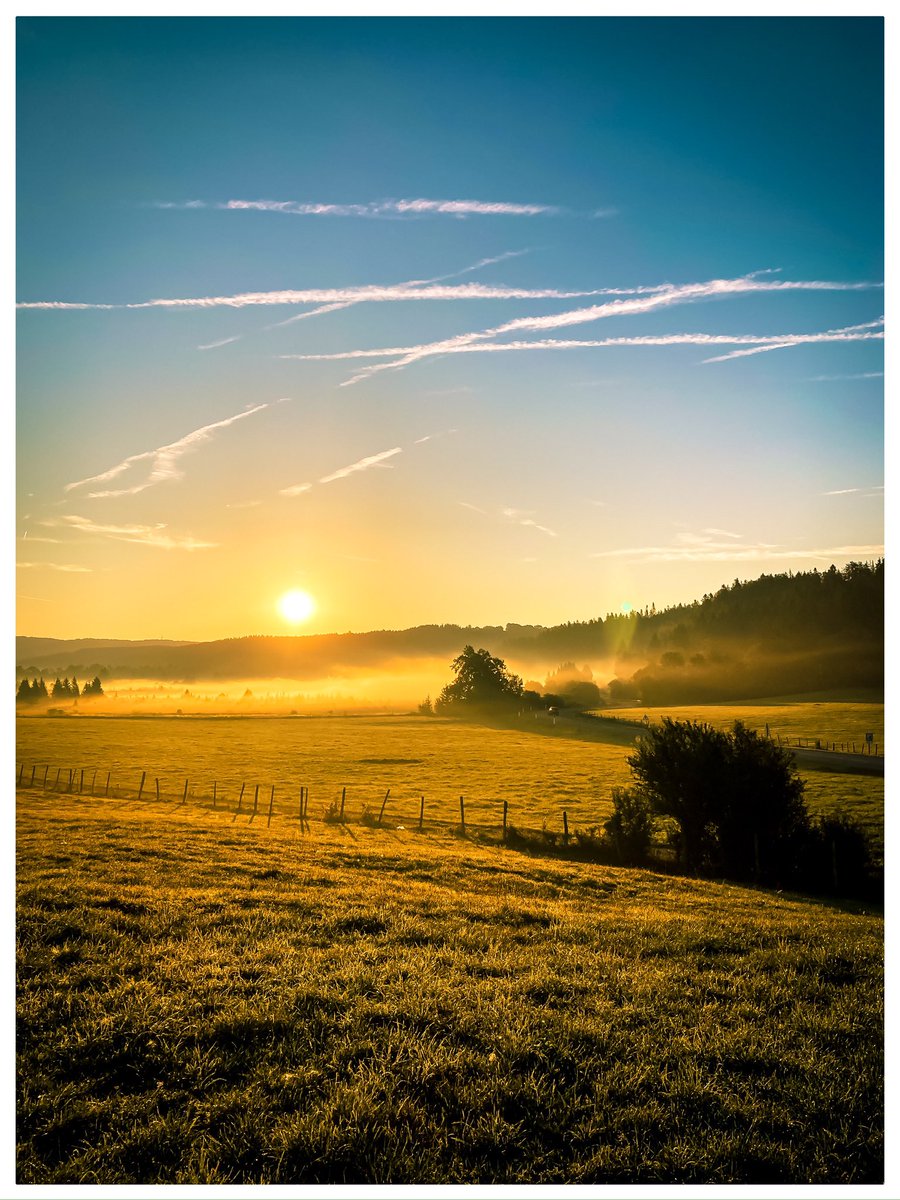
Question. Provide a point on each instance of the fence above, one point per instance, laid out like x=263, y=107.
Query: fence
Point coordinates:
x=851, y=746
x=250, y=798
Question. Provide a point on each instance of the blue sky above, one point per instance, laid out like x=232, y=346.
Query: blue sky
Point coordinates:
x=607, y=169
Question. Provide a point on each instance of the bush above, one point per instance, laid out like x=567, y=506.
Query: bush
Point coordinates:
x=736, y=798
x=630, y=828
x=837, y=860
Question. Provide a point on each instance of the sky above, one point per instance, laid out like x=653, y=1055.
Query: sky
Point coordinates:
x=440, y=320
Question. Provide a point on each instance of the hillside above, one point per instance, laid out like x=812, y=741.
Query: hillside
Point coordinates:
x=208, y=1000
x=777, y=634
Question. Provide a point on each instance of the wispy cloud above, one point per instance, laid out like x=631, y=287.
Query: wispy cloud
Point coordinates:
x=519, y=517
x=661, y=298
x=364, y=464
x=163, y=460
x=856, y=491
x=850, y=333
x=147, y=535
x=842, y=378
x=515, y=516
x=322, y=309
x=854, y=333
x=629, y=299
x=369, y=293
x=223, y=342
x=49, y=566
x=379, y=208
x=704, y=548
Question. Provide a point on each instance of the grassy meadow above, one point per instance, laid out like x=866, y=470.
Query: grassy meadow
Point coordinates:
x=539, y=769
x=413, y=756
x=208, y=1001
x=830, y=721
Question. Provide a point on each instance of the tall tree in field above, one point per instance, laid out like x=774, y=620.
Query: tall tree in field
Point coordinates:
x=482, y=681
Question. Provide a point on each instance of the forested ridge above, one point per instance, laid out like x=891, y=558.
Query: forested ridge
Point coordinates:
x=781, y=633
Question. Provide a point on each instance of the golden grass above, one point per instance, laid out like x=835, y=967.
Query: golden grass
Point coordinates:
x=202, y=1001
x=829, y=721
x=539, y=774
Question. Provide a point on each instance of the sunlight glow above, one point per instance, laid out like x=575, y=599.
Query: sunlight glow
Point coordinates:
x=296, y=606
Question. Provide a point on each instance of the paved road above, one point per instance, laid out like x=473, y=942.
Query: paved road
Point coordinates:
x=596, y=729
x=838, y=762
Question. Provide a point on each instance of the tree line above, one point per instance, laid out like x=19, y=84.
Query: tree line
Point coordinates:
x=778, y=633
x=30, y=692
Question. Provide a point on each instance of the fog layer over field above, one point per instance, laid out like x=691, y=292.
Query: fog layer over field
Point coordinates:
x=392, y=686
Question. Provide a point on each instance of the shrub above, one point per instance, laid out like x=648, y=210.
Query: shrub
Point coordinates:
x=630, y=828
x=837, y=860
x=736, y=798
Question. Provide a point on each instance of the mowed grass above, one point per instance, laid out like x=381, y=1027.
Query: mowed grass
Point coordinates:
x=208, y=1002
x=539, y=769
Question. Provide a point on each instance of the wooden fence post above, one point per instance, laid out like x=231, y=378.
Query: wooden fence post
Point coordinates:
x=383, y=803
x=462, y=814
x=93, y=781
x=108, y=773
x=56, y=784
x=271, y=802
x=47, y=768
x=255, y=799
x=184, y=795
x=505, y=811
x=69, y=788
x=21, y=773
x=343, y=799
x=157, y=791
x=421, y=813
x=565, y=828
x=33, y=769
x=81, y=782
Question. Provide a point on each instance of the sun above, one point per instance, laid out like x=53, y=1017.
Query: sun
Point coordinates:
x=296, y=606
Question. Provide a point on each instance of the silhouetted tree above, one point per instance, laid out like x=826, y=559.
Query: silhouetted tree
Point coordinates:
x=581, y=694
x=23, y=695
x=762, y=821
x=482, y=681
x=680, y=767
x=94, y=688
x=736, y=797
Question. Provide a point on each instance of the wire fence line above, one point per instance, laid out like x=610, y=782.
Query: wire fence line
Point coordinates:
x=258, y=800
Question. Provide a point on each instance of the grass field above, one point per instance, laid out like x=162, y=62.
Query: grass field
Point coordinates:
x=207, y=1002
x=829, y=721
x=540, y=770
